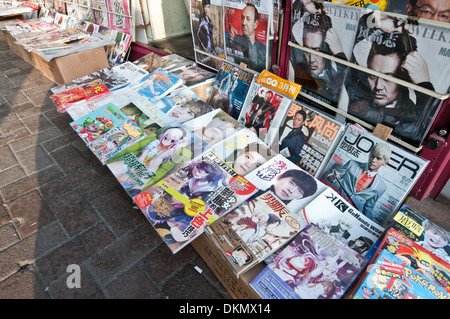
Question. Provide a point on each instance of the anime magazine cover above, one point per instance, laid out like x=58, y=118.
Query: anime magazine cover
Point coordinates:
x=371, y=174
x=247, y=32
x=422, y=231
x=208, y=32
x=328, y=28
x=305, y=136
x=115, y=140
x=254, y=230
x=335, y=216
x=413, y=52
x=389, y=277
x=429, y=265
x=230, y=88
x=184, y=202
x=313, y=266
x=260, y=107
x=157, y=84
x=98, y=122
x=243, y=151
x=292, y=185
x=183, y=105
x=213, y=126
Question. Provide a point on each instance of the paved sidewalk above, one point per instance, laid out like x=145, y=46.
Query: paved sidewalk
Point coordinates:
x=59, y=206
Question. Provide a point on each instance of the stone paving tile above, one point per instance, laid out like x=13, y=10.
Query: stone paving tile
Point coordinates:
x=133, y=284
x=29, y=213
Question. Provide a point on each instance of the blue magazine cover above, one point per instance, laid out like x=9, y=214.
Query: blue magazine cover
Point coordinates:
x=157, y=84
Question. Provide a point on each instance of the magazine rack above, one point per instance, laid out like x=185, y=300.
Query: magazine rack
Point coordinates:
x=434, y=147
x=113, y=13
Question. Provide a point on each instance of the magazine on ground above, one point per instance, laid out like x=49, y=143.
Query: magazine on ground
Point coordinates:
x=422, y=231
x=184, y=202
x=305, y=136
x=335, y=216
x=157, y=84
x=98, y=122
x=373, y=175
x=183, y=105
x=230, y=88
x=116, y=140
x=247, y=36
x=292, y=185
x=243, y=151
x=254, y=230
x=329, y=28
x=414, y=255
x=413, y=52
x=206, y=18
x=213, y=126
x=389, y=277
x=313, y=266
x=261, y=106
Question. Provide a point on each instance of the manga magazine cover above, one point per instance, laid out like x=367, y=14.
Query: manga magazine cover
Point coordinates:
x=413, y=52
x=371, y=174
x=247, y=32
x=64, y=99
x=183, y=105
x=292, y=185
x=243, y=151
x=115, y=140
x=313, y=266
x=305, y=136
x=261, y=106
x=147, y=161
x=230, y=88
x=254, y=230
x=335, y=216
x=157, y=84
x=429, y=265
x=213, y=126
x=184, y=202
x=98, y=122
x=422, y=231
x=328, y=28
x=208, y=32
x=389, y=277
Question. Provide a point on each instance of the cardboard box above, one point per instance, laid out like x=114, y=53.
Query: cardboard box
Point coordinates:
x=238, y=288
x=66, y=68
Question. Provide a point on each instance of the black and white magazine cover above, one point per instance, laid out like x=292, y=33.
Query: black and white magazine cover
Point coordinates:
x=413, y=51
x=371, y=174
x=208, y=32
x=247, y=32
x=328, y=28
